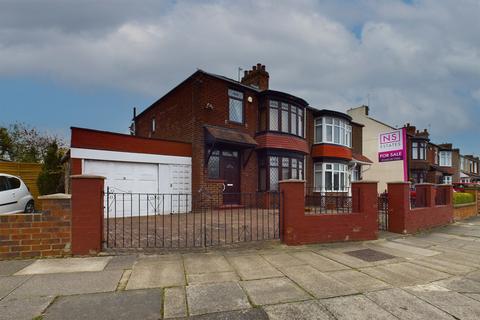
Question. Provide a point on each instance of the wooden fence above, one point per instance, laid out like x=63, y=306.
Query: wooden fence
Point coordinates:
x=28, y=172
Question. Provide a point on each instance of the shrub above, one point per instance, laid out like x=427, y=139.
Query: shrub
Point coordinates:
x=463, y=197
x=50, y=179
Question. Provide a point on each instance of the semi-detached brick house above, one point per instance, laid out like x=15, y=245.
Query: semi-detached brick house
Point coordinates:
x=246, y=137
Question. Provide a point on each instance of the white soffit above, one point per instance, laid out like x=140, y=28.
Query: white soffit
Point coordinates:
x=95, y=154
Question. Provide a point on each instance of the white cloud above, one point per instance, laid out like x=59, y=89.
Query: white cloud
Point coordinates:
x=418, y=62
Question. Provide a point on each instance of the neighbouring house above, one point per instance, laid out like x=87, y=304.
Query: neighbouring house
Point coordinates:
x=246, y=137
x=383, y=172
x=429, y=162
x=469, y=169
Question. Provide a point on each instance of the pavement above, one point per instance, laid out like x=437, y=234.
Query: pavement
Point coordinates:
x=432, y=275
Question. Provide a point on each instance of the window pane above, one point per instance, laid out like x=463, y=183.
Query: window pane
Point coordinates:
x=274, y=161
x=318, y=133
x=293, y=124
x=336, y=135
x=300, y=125
x=214, y=167
x=273, y=178
x=273, y=119
x=236, y=110
x=342, y=181
x=318, y=181
x=328, y=120
x=3, y=183
x=14, y=183
x=284, y=121
x=336, y=181
x=329, y=133
x=328, y=181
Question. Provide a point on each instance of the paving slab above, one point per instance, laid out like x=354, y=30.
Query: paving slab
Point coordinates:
x=460, y=284
x=212, y=277
x=415, y=241
x=135, y=304
x=9, y=267
x=23, y=308
x=355, y=308
x=205, y=263
x=475, y=296
x=358, y=280
x=409, y=250
x=65, y=265
x=406, y=306
x=216, y=297
x=273, y=291
x=466, y=258
x=69, y=283
x=307, y=310
x=319, y=262
x=454, y=303
x=282, y=260
x=251, y=267
x=475, y=275
x=175, y=303
x=8, y=284
x=319, y=284
x=156, y=273
x=404, y=274
x=251, y=314
x=444, y=265
x=121, y=262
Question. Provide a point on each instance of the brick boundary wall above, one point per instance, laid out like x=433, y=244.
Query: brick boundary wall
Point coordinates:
x=402, y=219
x=300, y=228
x=45, y=234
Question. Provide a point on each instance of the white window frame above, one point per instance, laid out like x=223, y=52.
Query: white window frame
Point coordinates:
x=334, y=168
x=447, y=180
x=445, y=158
x=341, y=126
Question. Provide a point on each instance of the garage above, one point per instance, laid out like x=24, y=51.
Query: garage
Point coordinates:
x=142, y=176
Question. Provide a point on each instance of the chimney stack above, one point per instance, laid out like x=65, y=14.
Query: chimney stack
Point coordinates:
x=257, y=77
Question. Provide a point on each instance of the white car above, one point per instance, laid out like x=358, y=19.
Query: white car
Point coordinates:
x=14, y=195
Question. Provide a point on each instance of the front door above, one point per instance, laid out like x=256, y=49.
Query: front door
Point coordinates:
x=231, y=175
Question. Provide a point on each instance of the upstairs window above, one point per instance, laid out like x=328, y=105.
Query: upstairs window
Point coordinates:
x=445, y=158
x=333, y=130
x=419, y=150
x=235, y=99
x=286, y=118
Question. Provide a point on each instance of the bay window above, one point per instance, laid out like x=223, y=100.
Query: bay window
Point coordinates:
x=447, y=180
x=445, y=158
x=333, y=130
x=331, y=177
x=285, y=117
x=274, y=168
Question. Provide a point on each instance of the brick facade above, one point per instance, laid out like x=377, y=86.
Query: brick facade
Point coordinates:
x=45, y=234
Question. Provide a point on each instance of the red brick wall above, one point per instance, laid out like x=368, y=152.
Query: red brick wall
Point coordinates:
x=300, y=228
x=44, y=234
x=402, y=219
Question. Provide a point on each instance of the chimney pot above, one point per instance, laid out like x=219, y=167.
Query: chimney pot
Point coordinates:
x=245, y=73
x=254, y=68
x=263, y=67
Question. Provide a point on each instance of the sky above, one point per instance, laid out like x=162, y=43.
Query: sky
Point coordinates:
x=87, y=63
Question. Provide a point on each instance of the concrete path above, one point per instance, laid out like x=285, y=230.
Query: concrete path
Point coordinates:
x=433, y=275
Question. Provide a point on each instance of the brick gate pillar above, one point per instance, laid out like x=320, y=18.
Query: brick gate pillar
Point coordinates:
x=293, y=208
x=87, y=214
x=398, y=205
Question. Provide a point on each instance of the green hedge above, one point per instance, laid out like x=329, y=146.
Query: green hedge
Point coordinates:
x=463, y=197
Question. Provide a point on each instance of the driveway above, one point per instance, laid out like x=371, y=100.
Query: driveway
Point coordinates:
x=433, y=275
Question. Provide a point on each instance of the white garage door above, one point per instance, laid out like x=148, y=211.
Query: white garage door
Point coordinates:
x=143, y=188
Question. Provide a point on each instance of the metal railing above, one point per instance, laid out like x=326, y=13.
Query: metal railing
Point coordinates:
x=324, y=203
x=152, y=220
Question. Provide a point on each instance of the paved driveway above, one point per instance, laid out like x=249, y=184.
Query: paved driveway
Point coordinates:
x=434, y=275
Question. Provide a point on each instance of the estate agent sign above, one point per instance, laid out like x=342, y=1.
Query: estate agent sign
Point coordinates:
x=392, y=146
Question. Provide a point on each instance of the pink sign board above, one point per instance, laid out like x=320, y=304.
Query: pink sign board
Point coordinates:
x=392, y=147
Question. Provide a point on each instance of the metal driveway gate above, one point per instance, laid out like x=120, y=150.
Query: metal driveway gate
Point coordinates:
x=383, y=212
x=149, y=220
